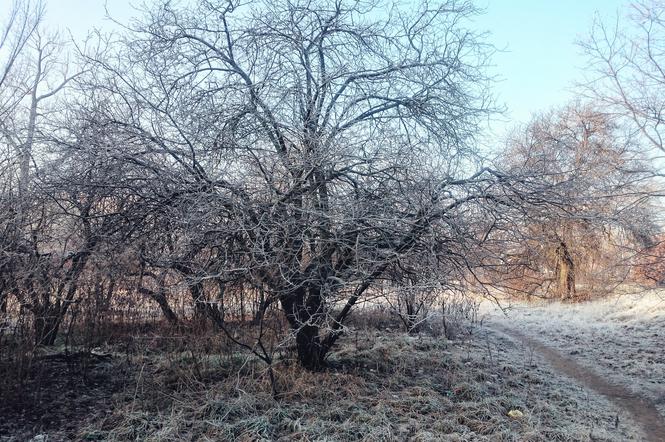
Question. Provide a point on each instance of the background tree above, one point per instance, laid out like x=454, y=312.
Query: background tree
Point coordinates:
x=626, y=76
x=39, y=265
x=16, y=31
x=584, y=152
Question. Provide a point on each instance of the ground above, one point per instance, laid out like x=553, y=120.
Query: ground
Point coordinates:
x=617, y=339
x=485, y=383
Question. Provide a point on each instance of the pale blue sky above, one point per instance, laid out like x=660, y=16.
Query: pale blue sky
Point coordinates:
x=539, y=63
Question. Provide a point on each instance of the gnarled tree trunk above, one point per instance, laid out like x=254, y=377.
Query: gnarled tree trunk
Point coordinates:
x=565, y=272
x=302, y=307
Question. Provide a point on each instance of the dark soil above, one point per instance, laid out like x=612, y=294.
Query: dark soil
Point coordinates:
x=57, y=394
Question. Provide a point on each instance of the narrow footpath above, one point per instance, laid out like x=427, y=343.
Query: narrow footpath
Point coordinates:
x=639, y=408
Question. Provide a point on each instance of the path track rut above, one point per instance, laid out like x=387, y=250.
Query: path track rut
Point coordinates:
x=641, y=409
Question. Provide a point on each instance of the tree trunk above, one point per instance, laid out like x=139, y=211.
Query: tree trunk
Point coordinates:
x=196, y=290
x=46, y=326
x=302, y=307
x=203, y=309
x=221, y=294
x=3, y=299
x=565, y=272
x=163, y=303
x=310, y=352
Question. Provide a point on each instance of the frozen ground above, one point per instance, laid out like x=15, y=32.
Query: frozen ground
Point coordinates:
x=620, y=340
x=564, y=369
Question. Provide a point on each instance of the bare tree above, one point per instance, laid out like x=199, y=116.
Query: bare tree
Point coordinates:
x=303, y=147
x=40, y=273
x=627, y=75
x=19, y=26
x=627, y=69
x=16, y=32
x=585, y=153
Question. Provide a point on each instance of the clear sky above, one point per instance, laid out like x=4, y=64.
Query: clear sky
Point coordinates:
x=538, y=64
x=540, y=61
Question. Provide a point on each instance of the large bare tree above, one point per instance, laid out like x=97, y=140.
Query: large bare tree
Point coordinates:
x=16, y=32
x=303, y=147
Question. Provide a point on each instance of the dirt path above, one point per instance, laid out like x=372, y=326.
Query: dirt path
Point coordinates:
x=641, y=409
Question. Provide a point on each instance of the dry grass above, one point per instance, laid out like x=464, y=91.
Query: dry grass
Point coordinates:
x=381, y=385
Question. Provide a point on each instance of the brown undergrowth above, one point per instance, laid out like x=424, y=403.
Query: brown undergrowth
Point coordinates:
x=381, y=384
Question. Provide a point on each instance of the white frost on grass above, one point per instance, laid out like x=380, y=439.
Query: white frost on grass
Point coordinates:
x=621, y=336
